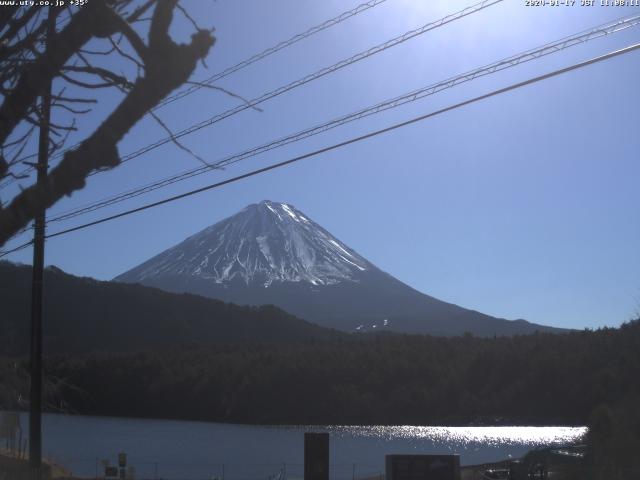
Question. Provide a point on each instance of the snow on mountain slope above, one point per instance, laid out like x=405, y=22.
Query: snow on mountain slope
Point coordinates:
x=264, y=243
x=271, y=253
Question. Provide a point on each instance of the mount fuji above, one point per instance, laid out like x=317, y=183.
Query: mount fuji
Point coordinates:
x=271, y=253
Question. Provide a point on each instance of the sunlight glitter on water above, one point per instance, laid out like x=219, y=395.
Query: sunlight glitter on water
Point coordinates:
x=197, y=449
x=496, y=436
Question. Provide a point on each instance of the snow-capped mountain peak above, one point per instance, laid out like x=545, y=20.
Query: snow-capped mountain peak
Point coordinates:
x=264, y=243
x=272, y=253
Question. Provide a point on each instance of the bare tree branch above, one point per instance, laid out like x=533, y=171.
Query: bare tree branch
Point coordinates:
x=176, y=141
x=112, y=78
x=61, y=47
x=228, y=92
x=74, y=99
x=123, y=54
x=167, y=66
x=140, y=11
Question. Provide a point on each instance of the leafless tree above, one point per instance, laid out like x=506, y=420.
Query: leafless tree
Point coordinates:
x=127, y=31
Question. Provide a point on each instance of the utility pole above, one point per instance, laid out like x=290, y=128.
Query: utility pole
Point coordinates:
x=35, y=405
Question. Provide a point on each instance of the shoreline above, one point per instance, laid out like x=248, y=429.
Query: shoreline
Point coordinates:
x=249, y=423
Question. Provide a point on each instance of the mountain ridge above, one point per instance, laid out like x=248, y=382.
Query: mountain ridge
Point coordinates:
x=83, y=315
x=292, y=249
x=272, y=253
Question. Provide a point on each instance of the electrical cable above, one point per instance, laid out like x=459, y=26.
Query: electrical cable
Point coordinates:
x=309, y=78
x=512, y=61
x=238, y=66
x=271, y=50
x=304, y=80
x=4, y=253
x=353, y=140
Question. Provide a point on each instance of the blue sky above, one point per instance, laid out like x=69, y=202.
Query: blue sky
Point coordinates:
x=521, y=206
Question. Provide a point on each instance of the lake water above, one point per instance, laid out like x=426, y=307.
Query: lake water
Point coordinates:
x=200, y=450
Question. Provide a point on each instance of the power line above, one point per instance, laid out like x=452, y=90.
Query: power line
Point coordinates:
x=512, y=61
x=4, y=253
x=271, y=50
x=339, y=145
x=238, y=66
x=354, y=139
x=283, y=89
x=311, y=77
x=308, y=78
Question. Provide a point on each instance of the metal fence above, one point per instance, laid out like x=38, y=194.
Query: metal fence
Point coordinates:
x=146, y=469
x=150, y=469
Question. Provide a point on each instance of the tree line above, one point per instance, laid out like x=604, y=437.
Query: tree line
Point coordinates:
x=368, y=379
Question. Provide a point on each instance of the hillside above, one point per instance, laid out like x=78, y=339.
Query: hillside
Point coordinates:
x=540, y=379
x=83, y=314
x=272, y=253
